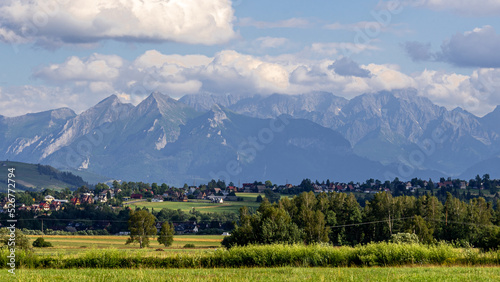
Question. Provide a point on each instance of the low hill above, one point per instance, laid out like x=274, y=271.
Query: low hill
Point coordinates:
x=39, y=177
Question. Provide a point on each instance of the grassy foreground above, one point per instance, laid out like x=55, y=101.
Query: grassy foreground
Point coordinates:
x=374, y=254
x=261, y=274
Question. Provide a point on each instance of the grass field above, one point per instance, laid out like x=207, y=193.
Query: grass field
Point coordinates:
x=27, y=175
x=205, y=206
x=66, y=245
x=261, y=274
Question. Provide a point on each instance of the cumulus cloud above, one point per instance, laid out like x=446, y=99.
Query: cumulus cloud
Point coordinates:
x=16, y=101
x=97, y=67
x=53, y=23
x=79, y=83
x=347, y=67
x=477, y=48
x=418, y=51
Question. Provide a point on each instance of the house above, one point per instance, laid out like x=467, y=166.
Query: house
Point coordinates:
x=261, y=188
x=35, y=208
x=218, y=200
x=75, y=201
x=87, y=198
x=44, y=206
x=217, y=190
x=157, y=199
x=183, y=198
x=445, y=184
x=101, y=198
x=105, y=192
x=136, y=196
x=408, y=185
x=201, y=196
x=55, y=205
x=247, y=187
x=49, y=199
x=463, y=185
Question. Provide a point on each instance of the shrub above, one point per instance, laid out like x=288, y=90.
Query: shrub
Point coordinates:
x=189, y=246
x=404, y=238
x=41, y=243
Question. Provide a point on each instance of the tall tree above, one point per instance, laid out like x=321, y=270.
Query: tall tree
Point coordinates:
x=166, y=236
x=141, y=225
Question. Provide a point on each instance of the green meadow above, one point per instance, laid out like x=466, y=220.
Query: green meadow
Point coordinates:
x=204, y=206
x=66, y=245
x=261, y=274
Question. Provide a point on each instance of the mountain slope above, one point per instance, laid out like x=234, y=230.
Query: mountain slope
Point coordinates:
x=251, y=137
x=24, y=136
x=39, y=177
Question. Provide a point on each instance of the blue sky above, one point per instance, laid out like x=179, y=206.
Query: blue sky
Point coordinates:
x=73, y=54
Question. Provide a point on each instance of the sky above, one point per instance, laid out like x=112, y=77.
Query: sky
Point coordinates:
x=62, y=53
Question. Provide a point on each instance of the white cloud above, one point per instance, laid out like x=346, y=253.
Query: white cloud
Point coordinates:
x=97, y=67
x=476, y=93
x=79, y=83
x=53, y=23
x=16, y=101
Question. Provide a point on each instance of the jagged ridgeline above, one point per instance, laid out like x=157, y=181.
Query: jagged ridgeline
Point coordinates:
x=241, y=138
x=36, y=177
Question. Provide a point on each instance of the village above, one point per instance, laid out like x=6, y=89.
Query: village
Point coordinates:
x=121, y=194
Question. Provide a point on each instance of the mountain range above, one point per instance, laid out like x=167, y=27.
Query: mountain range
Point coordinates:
x=242, y=138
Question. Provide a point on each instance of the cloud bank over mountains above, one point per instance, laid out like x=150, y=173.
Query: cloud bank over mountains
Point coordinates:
x=83, y=81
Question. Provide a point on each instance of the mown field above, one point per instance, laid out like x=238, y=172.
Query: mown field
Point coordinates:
x=65, y=245
x=27, y=175
x=205, y=206
x=261, y=274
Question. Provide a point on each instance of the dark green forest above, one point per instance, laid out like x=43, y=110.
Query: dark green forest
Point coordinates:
x=338, y=219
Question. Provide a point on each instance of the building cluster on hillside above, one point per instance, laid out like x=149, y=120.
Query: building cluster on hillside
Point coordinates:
x=219, y=195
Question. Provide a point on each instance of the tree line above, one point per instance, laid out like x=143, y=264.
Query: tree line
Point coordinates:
x=339, y=219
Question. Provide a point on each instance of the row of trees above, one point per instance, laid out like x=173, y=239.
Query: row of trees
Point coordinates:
x=339, y=219
x=142, y=225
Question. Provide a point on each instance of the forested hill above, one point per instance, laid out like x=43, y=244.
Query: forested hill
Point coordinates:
x=36, y=177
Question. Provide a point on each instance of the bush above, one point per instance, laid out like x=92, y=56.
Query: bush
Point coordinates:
x=404, y=238
x=189, y=246
x=41, y=243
